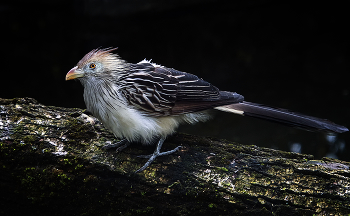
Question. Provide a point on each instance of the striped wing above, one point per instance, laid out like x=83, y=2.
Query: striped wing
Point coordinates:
x=164, y=91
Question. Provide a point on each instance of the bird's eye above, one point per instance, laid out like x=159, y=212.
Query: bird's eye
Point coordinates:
x=92, y=66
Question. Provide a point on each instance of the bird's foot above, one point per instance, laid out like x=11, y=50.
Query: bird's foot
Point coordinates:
x=155, y=154
x=122, y=144
x=161, y=153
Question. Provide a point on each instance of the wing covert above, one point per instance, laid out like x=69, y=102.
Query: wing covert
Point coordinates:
x=161, y=91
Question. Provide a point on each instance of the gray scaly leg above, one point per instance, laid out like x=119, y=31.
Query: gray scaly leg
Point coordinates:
x=155, y=154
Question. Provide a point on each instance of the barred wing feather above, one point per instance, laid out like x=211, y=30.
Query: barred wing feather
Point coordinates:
x=161, y=91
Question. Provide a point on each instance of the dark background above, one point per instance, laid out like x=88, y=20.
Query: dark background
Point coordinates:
x=288, y=55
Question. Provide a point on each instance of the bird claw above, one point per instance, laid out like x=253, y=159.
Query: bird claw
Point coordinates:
x=155, y=154
x=161, y=153
x=122, y=144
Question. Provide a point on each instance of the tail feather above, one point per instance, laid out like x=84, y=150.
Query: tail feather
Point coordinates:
x=283, y=116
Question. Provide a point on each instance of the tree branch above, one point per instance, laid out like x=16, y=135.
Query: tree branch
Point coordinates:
x=52, y=162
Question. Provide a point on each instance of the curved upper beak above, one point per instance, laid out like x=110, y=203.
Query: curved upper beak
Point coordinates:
x=74, y=73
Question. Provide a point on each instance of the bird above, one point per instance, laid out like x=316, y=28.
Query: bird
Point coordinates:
x=145, y=102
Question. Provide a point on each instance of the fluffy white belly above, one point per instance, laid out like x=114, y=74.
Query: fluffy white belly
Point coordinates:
x=134, y=125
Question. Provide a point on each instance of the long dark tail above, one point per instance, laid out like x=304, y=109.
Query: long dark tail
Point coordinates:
x=283, y=116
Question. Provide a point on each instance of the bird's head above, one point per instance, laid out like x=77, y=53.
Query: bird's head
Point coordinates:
x=97, y=63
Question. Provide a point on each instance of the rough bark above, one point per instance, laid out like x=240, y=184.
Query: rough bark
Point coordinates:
x=52, y=163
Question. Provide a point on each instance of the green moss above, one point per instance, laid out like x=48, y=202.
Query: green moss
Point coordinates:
x=212, y=205
x=222, y=169
x=209, y=176
x=29, y=139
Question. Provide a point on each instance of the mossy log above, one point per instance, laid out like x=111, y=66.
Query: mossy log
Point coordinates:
x=52, y=162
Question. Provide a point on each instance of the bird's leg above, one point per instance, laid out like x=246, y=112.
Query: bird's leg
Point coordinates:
x=122, y=144
x=155, y=154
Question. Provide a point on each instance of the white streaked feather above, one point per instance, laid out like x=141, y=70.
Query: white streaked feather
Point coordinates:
x=227, y=109
x=150, y=62
x=127, y=122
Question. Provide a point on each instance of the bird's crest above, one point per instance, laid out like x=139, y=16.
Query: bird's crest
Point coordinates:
x=102, y=55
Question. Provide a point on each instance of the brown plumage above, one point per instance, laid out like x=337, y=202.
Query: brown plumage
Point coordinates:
x=146, y=102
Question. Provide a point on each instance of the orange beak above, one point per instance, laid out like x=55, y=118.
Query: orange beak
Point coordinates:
x=74, y=73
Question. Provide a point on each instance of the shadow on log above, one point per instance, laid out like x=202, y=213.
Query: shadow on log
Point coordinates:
x=52, y=163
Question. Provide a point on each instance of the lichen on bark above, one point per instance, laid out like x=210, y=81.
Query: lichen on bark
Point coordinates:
x=52, y=162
